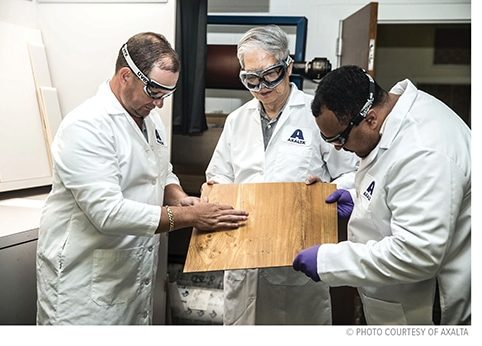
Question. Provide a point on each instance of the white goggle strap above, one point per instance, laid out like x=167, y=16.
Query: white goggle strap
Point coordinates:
x=288, y=61
x=139, y=73
x=133, y=66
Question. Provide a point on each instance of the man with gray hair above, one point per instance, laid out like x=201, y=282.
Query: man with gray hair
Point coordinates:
x=274, y=138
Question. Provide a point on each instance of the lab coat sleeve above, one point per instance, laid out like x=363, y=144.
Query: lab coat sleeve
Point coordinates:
x=424, y=194
x=340, y=165
x=220, y=168
x=171, y=177
x=85, y=161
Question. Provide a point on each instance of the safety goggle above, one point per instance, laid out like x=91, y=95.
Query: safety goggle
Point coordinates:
x=341, y=138
x=270, y=77
x=152, y=88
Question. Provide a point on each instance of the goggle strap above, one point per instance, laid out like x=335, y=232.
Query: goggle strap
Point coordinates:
x=366, y=107
x=133, y=66
x=141, y=75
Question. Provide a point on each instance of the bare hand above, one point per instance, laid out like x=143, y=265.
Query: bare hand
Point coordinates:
x=213, y=217
x=312, y=179
x=189, y=200
x=205, y=185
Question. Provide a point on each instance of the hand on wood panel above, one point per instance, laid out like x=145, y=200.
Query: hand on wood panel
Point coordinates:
x=312, y=179
x=189, y=200
x=206, y=187
x=213, y=217
x=307, y=262
x=344, y=202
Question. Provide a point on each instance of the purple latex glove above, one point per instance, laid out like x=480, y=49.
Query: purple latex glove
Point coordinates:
x=306, y=261
x=345, y=203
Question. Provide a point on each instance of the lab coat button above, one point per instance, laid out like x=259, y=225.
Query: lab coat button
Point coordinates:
x=146, y=282
x=150, y=248
x=154, y=181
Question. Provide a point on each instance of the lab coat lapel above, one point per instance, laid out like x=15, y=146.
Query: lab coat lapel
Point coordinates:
x=295, y=99
x=113, y=107
x=408, y=94
x=394, y=120
x=153, y=135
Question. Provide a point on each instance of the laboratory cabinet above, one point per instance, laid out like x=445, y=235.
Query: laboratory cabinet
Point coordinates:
x=19, y=220
x=18, y=294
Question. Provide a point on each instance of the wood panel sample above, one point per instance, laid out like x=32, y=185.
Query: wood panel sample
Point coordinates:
x=50, y=114
x=283, y=219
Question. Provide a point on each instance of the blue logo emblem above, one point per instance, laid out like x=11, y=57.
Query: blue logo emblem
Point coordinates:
x=297, y=137
x=158, y=138
x=369, y=191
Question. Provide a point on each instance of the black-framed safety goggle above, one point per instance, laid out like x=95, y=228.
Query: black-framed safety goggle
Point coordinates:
x=270, y=77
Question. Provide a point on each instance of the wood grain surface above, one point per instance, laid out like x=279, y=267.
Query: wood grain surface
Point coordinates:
x=283, y=219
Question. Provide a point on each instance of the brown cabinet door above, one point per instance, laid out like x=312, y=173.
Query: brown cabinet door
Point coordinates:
x=358, y=38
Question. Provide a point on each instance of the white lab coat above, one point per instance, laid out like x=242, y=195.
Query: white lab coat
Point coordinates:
x=97, y=251
x=276, y=295
x=411, y=223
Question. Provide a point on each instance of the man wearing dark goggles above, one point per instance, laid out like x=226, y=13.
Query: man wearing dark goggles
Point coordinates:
x=337, y=133
x=408, y=251
x=340, y=139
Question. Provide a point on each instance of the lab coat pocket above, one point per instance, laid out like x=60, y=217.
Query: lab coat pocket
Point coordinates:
x=239, y=296
x=382, y=312
x=115, y=275
x=162, y=159
x=283, y=276
x=234, y=278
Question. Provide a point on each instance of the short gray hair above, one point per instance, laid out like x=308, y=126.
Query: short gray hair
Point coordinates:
x=269, y=38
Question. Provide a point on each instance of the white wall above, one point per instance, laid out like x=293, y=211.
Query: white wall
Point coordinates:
x=82, y=39
x=82, y=42
x=20, y=12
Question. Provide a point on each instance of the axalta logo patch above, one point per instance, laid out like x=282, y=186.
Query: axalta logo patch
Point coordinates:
x=369, y=191
x=158, y=138
x=297, y=137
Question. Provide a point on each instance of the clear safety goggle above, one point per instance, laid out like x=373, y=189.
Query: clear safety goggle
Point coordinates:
x=270, y=77
x=152, y=88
